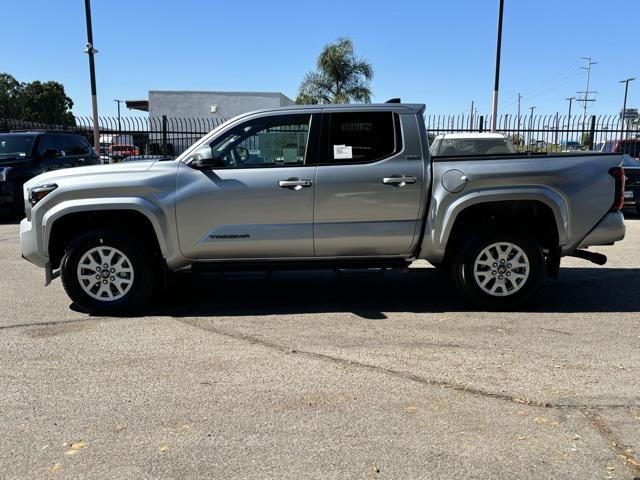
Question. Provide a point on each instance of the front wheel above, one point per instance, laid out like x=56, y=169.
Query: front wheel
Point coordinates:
x=499, y=271
x=105, y=271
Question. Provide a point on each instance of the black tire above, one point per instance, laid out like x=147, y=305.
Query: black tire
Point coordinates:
x=463, y=264
x=144, y=274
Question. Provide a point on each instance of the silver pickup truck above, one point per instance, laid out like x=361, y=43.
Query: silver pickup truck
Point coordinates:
x=325, y=186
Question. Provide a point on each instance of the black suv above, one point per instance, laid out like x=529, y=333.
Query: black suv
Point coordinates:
x=23, y=155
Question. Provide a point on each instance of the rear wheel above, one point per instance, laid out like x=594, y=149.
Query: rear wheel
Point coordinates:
x=105, y=271
x=499, y=271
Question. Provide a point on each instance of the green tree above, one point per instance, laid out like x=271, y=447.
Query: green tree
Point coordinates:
x=42, y=102
x=9, y=92
x=341, y=77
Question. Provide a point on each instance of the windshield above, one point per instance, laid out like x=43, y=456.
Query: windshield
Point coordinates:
x=630, y=162
x=12, y=145
x=474, y=146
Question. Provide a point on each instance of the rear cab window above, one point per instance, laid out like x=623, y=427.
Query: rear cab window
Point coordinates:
x=361, y=137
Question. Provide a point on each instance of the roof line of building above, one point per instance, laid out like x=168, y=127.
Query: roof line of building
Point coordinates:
x=210, y=92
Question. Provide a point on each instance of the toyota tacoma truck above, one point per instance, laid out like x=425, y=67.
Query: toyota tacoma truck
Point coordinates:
x=321, y=186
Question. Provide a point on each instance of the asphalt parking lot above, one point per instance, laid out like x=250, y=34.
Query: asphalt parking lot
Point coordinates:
x=307, y=376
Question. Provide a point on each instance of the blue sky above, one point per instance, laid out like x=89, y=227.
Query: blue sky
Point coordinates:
x=436, y=52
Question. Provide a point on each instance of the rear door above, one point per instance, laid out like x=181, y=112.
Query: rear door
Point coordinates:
x=257, y=202
x=369, y=184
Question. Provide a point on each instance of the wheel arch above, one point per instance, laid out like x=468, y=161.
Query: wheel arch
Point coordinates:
x=546, y=221
x=447, y=210
x=62, y=223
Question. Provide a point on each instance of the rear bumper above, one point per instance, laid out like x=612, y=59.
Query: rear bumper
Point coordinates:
x=632, y=196
x=609, y=230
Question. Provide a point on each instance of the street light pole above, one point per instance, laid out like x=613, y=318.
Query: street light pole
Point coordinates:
x=471, y=117
x=494, y=116
x=624, y=105
x=570, y=99
x=92, y=72
x=119, y=125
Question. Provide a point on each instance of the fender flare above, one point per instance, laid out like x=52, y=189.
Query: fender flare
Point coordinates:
x=151, y=211
x=540, y=193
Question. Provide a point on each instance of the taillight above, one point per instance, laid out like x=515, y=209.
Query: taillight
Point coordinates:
x=618, y=200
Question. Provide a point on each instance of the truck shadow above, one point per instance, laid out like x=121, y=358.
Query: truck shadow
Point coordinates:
x=421, y=290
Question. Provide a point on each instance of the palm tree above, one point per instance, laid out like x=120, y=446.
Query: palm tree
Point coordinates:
x=341, y=77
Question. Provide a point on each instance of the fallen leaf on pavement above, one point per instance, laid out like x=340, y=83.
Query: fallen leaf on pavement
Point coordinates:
x=75, y=448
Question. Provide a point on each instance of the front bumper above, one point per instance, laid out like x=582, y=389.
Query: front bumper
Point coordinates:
x=29, y=244
x=609, y=230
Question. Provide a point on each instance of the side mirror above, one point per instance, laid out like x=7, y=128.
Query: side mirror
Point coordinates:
x=204, y=163
x=50, y=153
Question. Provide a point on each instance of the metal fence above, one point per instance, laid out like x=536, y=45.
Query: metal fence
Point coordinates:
x=541, y=132
x=164, y=135
x=170, y=136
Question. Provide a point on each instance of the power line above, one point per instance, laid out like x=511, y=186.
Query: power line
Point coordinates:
x=539, y=90
x=564, y=74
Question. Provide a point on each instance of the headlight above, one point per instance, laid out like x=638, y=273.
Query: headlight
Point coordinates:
x=38, y=193
x=4, y=171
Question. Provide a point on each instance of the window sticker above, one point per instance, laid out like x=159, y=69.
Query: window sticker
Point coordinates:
x=342, y=152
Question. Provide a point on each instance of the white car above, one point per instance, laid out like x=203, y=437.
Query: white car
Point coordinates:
x=462, y=144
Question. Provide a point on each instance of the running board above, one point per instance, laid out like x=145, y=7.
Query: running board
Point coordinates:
x=374, y=272
x=593, y=257
x=320, y=264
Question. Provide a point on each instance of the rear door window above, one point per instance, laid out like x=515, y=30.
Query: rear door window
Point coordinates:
x=45, y=143
x=78, y=145
x=362, y=137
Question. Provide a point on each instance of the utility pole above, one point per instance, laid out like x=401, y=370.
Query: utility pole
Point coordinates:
x=519, y=98
x=494, y=116
x=119, y=125
x=586, y=95
x=624, y=105
x=92, y=72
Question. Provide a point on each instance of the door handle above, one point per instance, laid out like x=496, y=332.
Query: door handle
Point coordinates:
x=294, y=183
x=399, y=180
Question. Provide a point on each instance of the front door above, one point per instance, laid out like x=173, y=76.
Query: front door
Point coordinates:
x=256, y=202
x=369, y=184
